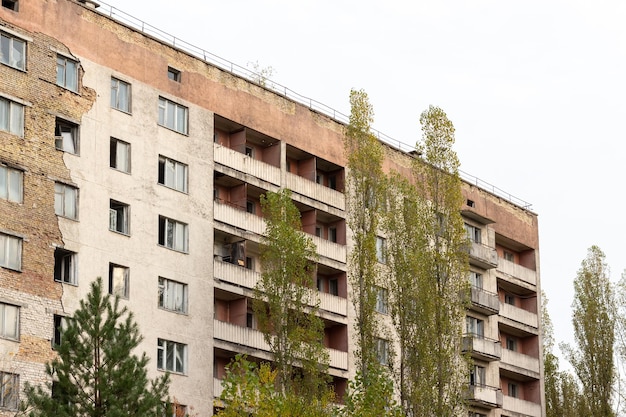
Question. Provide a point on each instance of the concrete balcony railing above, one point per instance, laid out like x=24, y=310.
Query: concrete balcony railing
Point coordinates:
x=518, y=271
x=238, y=217
x=315, y=191
x=243, y=163
x=217, y=387
x=527, y=365
x=483, y=256
x=485, y=396
x=484, y=301
x=521, y=407
x=330, y=249
x=519, y=315
x=246, y=278
x=255, y=339
x=482, y=348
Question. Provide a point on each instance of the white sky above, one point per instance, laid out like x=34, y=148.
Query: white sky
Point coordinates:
x=535, y=89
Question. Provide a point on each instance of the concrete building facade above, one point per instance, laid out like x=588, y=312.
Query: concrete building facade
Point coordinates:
x=127, y=158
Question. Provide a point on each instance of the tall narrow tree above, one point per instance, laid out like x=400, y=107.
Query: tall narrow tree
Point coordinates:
x=594, y=333
x=436, y=370
x=285, y=304
x=97, y=372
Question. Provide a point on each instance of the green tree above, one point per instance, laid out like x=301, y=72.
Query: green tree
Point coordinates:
x=430, y=276
x=285, y=304
x=97, y=373
x=364, y=197
x=594, y=333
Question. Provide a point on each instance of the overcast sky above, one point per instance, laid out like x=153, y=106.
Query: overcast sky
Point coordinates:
x=535, y=89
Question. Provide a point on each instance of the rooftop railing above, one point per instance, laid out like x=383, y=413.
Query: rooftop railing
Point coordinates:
x=259, y=79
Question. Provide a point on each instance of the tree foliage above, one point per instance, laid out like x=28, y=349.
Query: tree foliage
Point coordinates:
x=364, y=197
x=285, y=304
x=594, y=333
x=428, y=271
x=97, y=372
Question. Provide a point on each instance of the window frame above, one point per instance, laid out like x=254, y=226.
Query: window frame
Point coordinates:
x=14, y=395
x=513, y=390
x=11, y=118
x=474, y=233
x=164, y=284
x=60, y=326
x=117, y=158
x=165, y=114
x=474, y=326
x=163, y=345
x=118, y=100
x=61, y=199
x=11, y=42
x=4, y=317
x=381, y=249
x=113, y=287
x=163, y=238
x=382, y=300
x=60, y=139
x=172, y=180
x=119, y=217
x=6, y=253
x=478, y=376
x=476, y=279
x=382, y=350
x=6, y=178
x=62, y=79
x=173, y=74
x=62, y=272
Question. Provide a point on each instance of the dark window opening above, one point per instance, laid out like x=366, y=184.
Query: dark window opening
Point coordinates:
x=11, y=5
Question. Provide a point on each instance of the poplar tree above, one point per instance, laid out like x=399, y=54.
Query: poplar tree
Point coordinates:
x=285, y=303
x=97, y=372
x=435, y=371
x=594, y=334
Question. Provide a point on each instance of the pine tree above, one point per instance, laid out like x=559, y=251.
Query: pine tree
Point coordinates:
x=97, y=373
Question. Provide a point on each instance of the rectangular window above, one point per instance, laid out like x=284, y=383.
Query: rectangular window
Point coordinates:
x=9, y=390
x=67, y=73
x=12, y=51
x=513, y=390
x=119, y=156
x=382, y=351
x=473, y=233
x=118, y=280
x=11, y=184
x=172, y=295
x=65, y=266
x=171, y=356
x=9, y=321
x=474, y=326
x=11, y=5
x=119, y=217
x=509, y=299
x=332, y=234
x=10, y=252
x=174, y=410
x=382, y=296
x=250, y=207
x=509, y=256
x=172, y=234
x=120, y=95
x=66, y=136
x=511, y=343
x=173, y=74
x=333, y=287
x=172, y=115
x=476, y=279
x=381, y=249
x=11, y=117
x=173, y=174
x=477, y=376
x=60, y=326
x=65, y=200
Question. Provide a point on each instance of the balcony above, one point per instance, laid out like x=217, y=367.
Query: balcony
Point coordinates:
x=484, y=301
x=217, y=387
x=238, y=217
x=518, y=271
x=519, y=316
x=255, y=339
x=485, y=396
x=334, y=304
x=483, y=256
x=521, y=407
x=482, y=348
x=243, y=163
x=315, y=191
x=330, y=249
x=518, y=362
